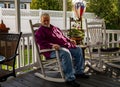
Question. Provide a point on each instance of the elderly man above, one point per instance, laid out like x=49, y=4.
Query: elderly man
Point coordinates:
x=49, y=36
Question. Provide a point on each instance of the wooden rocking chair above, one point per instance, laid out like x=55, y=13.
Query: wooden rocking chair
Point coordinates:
x=99, y=48
x=47, y=66
x=8, y=52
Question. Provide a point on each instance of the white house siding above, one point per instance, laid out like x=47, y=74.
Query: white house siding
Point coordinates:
x=8, y=16
x=24, y=4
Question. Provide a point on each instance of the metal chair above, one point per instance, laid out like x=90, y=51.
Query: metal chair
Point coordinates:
x=99, y=48
x=8, y=50
x=47, y=66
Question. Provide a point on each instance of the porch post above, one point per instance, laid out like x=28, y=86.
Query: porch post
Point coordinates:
x=64, y=14
x=17, y=18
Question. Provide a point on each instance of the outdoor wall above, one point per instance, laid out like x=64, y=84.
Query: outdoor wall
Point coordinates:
x=8, y=16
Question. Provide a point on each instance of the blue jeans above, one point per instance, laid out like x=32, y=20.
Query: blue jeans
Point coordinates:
x=67, y=57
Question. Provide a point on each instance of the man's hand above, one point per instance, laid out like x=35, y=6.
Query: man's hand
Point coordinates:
x=73, y=41
x=56, y=46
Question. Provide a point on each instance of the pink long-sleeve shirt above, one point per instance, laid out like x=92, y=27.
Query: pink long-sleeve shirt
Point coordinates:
x=46, y=36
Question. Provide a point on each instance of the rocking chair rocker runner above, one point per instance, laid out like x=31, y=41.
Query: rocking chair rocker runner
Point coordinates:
x=99, y=49
x=47, y=66
x=8, y=50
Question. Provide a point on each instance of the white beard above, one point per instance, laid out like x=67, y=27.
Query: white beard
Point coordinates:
x=47, y=26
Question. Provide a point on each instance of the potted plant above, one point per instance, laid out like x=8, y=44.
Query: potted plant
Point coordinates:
x=76, y=32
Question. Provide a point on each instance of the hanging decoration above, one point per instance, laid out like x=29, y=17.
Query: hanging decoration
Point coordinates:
x=79, y=7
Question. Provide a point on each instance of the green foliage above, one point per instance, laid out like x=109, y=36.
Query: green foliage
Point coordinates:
x=35, y=4
x=76, y=33
x=50, y=4
x=107, y=9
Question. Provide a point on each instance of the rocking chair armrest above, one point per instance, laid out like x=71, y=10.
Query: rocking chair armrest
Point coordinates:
x=11, y=58
x=46, y=50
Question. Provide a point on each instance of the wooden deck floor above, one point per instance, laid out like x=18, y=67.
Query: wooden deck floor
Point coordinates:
x=29, y=80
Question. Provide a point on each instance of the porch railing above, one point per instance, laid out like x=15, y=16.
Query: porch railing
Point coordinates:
x=27, y=54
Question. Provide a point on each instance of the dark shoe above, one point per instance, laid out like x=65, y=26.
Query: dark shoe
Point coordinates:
x=72, y=83
x=82, y=76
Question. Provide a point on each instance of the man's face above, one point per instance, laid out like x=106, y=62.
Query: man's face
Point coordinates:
x=45, y=21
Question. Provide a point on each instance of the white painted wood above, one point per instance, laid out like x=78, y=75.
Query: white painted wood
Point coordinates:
x=64, y=14
x=47, y=65
x=17, y=23
x=49, y=78
x=97, y=39
x=33, y=63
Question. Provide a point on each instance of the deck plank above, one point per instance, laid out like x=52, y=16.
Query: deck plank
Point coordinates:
x=107, y=80
x=30, y=80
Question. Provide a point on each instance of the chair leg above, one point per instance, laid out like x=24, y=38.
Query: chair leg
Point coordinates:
x=14, y=74
x=3, y=79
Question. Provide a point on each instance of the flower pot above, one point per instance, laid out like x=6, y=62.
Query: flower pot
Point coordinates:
x=77, y=39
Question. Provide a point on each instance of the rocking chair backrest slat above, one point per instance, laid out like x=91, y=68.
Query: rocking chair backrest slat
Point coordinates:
x=96, y=32
x=33, y=26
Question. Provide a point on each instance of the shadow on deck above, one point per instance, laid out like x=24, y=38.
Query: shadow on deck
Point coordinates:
x=30, y=80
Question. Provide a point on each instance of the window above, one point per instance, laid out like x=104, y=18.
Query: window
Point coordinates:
x=23, y=6
x=2, y=5
x=12, y=6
